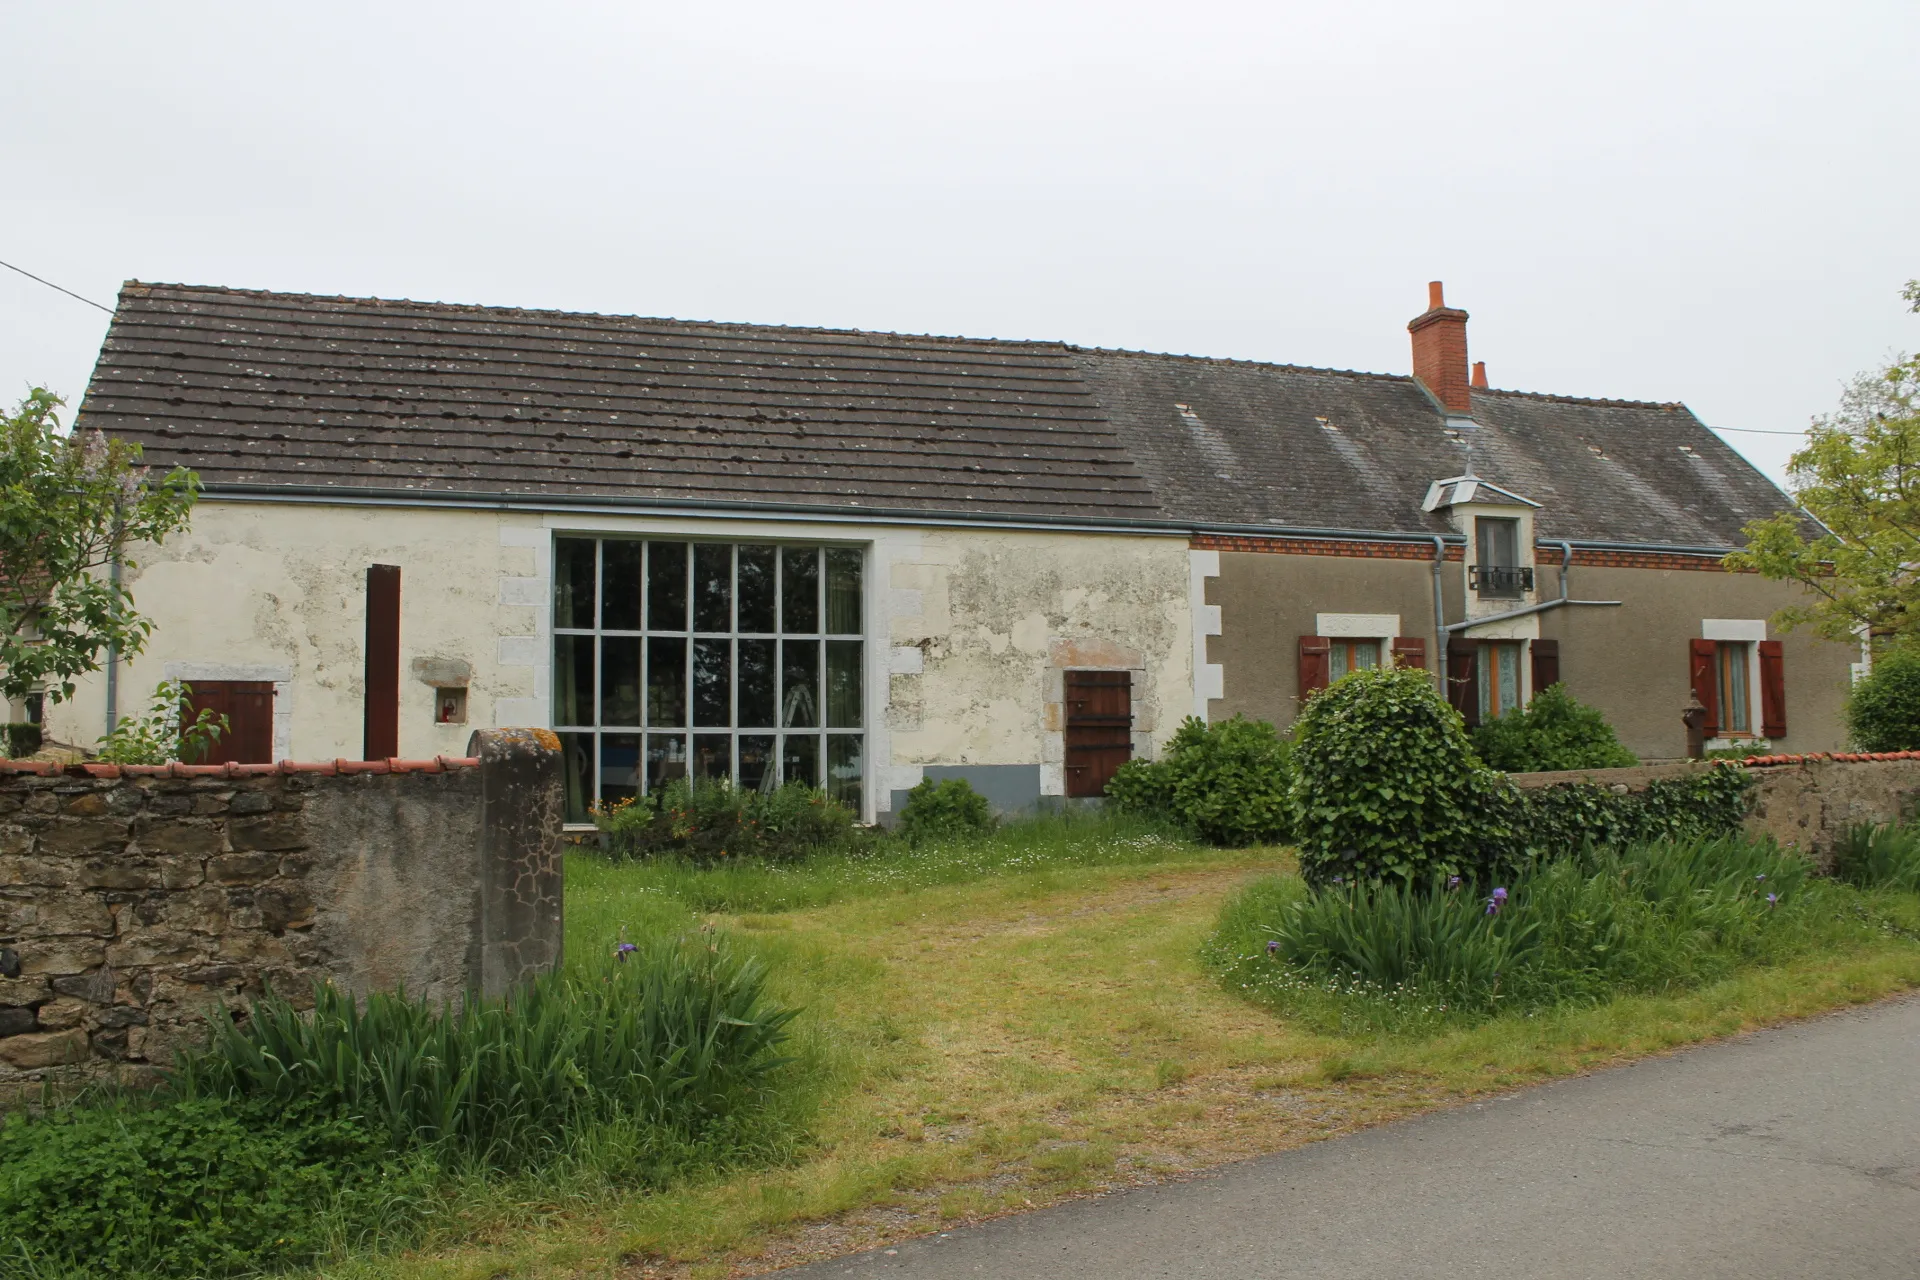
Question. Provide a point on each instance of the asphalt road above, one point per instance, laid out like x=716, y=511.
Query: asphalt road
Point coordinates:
x=1793, y=1153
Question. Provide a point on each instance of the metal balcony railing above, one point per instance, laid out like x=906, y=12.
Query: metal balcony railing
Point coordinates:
x=1499, y=581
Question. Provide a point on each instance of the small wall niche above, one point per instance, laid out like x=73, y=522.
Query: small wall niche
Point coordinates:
x=448, y=677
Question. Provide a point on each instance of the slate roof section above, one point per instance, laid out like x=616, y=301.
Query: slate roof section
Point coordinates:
x=290, y=389
x=275, y=389
x=1228, y=442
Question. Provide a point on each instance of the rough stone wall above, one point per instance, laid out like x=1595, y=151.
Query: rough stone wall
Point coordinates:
x=1806, y=803
x=132, y=901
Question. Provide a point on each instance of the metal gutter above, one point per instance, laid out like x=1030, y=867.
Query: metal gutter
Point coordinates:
x=706, y=508
x=1439, y=659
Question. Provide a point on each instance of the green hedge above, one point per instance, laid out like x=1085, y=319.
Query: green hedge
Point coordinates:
x=1551, y=822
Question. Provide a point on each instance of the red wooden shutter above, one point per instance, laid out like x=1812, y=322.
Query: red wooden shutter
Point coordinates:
x=248, y=707
x=1314, y=663
x=1463, y=678
x=1546, y=664
x=1410, y=651
x=1705, y=658
x=1099, y=737
x=1773, y=690
x=380, y=736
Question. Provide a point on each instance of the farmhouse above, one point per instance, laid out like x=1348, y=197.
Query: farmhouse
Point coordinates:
x=862, y=559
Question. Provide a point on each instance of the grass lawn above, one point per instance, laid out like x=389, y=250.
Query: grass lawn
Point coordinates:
x=990, y=1029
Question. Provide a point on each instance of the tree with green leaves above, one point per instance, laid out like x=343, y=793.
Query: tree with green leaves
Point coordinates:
x=1859, y=476
x=72, y=503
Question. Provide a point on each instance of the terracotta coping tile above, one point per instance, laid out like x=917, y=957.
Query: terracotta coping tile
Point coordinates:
x=330, y=768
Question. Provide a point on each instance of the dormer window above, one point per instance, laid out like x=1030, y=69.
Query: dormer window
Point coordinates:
x=1497, y=572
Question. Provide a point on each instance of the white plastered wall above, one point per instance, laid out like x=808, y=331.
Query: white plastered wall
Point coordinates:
x=968, y=629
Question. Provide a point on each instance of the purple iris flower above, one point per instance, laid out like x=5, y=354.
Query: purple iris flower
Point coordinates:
x=1453, y=882
x=1497, y=901
x=1773, y=899
x=1273, y=946
x=623, y=949
x=1761, y=876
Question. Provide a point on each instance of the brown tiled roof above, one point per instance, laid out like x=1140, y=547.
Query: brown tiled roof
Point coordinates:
x=281, y=389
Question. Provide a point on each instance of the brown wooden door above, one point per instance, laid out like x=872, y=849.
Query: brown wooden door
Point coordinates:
x=248, y=707
x=1099, y=728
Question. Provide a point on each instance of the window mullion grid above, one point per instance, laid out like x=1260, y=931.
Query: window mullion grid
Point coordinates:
x=733, y=664
x=820, y=664
x=779, y=762
x=686, y=663
x=593, y=713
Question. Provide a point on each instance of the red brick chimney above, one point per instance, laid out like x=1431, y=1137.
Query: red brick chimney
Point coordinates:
x=1440, y=351
x=1479, y=375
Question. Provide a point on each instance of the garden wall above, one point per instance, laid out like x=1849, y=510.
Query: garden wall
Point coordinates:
x=133, y=899
x=1807, y=802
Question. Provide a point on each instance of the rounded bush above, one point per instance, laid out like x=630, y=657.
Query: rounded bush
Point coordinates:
x=1554, y=731
x=1228, y=782
x=1883, y=711
x=945, y=808
x=1386, y=785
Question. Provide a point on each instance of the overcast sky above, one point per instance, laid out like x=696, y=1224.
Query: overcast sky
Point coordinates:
x=1714, y=203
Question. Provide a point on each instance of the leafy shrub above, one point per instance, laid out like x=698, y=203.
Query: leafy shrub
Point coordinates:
x=709, y=820
x=1702, y=805
x=22, y=740
x=190, y=1188
x=1879, y=857
x=1228, y=782
x=947, y=808
x=1386, y=784
x=1650, y=917
x=1554, y=731
x=672, y=1045
x=159, y=735
x=1883, y=710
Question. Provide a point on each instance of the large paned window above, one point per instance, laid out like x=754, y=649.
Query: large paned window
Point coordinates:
x=676, y=659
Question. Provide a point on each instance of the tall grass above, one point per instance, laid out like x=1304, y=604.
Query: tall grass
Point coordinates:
x=655, y=1057
x=1064, y=839
x=1651, y=917
x=1880, y=857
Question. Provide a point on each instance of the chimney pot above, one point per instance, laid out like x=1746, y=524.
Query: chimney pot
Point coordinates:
x=1440, y=352
x=1479, y=375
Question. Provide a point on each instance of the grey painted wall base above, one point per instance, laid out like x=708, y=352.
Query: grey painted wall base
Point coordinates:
x=1009, y=788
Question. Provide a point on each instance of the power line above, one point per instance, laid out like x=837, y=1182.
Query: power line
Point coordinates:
x=51, y=285
x=1759, y=431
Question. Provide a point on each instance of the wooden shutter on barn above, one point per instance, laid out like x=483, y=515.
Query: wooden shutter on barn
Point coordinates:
x=1704, y=656
x=1099, y=728
x=1314, y=665
x=1546, y=664
x=1410, y=651
x=1463, y=678
x=248, y=707
x=380, y=736
x=1773, y=690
